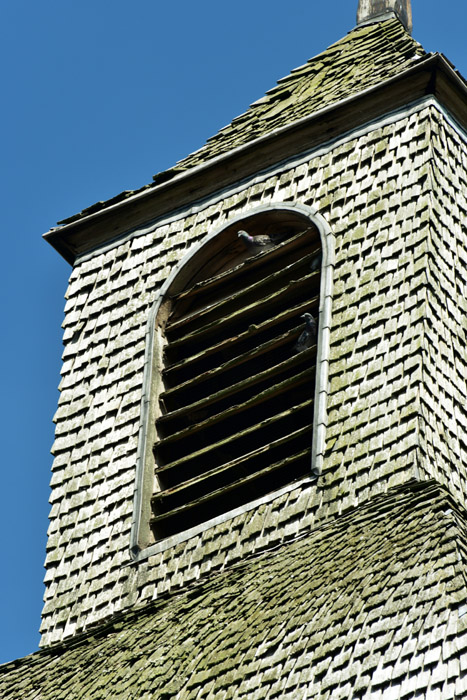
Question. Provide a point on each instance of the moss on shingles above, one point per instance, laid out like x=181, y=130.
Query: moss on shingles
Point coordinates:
x=365, y=57
x=333, y=585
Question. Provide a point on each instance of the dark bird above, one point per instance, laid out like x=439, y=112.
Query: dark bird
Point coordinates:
x=307, y=337
x=316, y=261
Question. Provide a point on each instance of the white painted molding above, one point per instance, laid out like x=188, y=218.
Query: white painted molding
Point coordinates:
x=151, y=383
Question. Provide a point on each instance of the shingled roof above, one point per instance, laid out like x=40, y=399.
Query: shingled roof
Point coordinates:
x=369, y=603
x=368, y=55
x=365, y=57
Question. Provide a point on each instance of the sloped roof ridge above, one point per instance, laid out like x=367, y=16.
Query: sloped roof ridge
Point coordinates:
x=365, y=45
x=188, y=638
x=414, y=493
x=370, y=54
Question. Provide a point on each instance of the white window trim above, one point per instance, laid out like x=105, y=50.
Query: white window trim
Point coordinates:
x=144, y=477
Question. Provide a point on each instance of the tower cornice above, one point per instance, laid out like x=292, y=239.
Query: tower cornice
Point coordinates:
x=431, y=76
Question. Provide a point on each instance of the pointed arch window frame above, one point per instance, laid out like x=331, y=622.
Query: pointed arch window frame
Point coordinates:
x=141, y=546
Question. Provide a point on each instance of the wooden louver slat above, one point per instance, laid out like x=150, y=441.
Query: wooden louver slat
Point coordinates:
x=236, y=409
x=247, y=266
x=232, y=389
x=268, y=422
x=219, y=308
x=228, y=487
x=295, y=289
x=229, y=466
x=252, y=332
x=235, y=362
x=275, y=391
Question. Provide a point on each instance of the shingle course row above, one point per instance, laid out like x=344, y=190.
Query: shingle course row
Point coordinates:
x=379, y=311
x=301, y=620
x=362, y=59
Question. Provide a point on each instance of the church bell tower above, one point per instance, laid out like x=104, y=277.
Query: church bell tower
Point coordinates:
x=260, y=465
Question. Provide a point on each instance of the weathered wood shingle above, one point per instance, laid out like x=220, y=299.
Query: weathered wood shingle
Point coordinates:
x=377, y=191
x=370, y=604
x=367, y=56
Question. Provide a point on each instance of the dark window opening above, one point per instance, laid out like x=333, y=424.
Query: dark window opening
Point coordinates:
x=237, y=404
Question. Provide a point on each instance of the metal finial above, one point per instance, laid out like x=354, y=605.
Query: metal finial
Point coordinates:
x=372, y=10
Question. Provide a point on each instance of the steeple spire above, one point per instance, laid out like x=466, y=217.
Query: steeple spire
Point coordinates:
x=372, y=10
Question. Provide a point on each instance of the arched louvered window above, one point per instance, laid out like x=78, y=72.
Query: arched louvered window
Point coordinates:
x=236, y=410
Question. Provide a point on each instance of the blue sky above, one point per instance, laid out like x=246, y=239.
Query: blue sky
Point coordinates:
x=97, y=97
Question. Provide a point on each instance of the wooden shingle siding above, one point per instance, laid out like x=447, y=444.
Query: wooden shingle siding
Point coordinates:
x=443, y=400
x=376, y=192
x=237, y=410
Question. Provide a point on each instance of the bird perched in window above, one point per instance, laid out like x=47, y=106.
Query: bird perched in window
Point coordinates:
x=307, y=337
x=316, y=261
x=253, y=241
x=261, y=241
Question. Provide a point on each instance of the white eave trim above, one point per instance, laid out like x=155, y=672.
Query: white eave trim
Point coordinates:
x=257, y=178
x=91, y=218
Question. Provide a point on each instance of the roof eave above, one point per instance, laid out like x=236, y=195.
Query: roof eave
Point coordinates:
x=430, y=76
